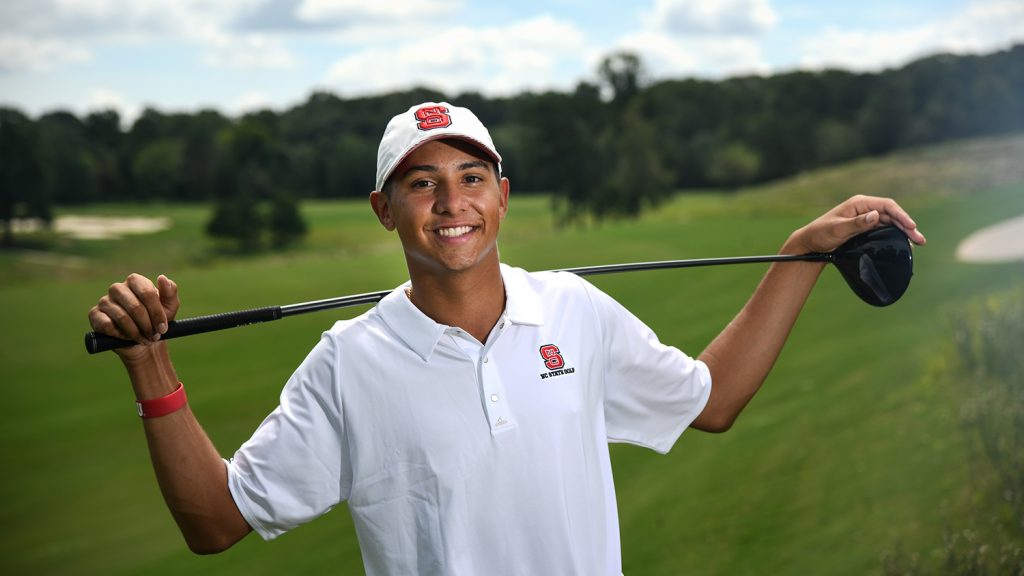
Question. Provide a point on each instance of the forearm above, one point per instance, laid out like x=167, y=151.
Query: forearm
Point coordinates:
x=189, y=470
x=743, y=354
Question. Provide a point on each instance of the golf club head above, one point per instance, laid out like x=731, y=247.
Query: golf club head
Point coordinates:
x=877, y=264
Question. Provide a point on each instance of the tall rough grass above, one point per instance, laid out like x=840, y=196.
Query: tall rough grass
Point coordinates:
x=985, y=370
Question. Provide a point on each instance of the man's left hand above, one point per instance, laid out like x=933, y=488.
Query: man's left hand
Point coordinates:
x=854, y=216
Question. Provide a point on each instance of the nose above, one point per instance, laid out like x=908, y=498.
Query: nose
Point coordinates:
x=449, y=198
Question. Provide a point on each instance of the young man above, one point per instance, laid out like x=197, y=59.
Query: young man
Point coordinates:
x=464, y=419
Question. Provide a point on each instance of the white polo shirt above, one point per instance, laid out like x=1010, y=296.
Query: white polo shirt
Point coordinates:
x=461, y=458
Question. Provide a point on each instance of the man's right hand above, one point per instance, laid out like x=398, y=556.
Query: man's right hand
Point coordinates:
x=136, y=310
x=191, y=473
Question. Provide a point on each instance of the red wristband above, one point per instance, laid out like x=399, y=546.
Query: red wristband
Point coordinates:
x=164, y=405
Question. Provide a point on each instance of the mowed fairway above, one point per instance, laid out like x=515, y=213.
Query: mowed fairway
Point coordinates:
x=849, y=451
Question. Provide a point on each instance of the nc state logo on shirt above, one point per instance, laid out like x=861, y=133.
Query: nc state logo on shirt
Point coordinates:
x=553, y=361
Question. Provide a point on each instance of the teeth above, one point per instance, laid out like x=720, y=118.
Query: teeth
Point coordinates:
x=453, y=232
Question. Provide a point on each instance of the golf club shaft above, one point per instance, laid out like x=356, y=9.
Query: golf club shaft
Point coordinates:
x=95, y=342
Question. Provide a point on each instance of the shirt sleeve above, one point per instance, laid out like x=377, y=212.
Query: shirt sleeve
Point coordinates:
x=295, y=467
x=652, y=391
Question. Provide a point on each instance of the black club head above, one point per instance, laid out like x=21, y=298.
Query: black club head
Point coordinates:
x=876, y=264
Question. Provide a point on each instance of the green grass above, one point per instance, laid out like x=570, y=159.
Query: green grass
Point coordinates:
x=848, y=452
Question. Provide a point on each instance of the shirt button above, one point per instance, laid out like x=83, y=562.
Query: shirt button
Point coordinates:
x=494, y=397
x=486, y=359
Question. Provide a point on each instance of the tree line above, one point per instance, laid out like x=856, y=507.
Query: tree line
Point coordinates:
x=612, y=146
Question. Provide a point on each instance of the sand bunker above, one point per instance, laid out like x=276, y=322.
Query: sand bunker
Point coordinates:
x=1002, y=242
x=98, y=227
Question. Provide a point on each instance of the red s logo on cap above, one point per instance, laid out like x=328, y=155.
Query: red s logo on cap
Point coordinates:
x=431, y=117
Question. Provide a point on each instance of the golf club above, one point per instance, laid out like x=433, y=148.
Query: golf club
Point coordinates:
x=877, y=265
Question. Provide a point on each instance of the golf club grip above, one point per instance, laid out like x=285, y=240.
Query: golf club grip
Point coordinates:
x=176, y=328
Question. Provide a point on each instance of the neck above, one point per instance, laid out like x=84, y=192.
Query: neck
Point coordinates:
x=472, y=300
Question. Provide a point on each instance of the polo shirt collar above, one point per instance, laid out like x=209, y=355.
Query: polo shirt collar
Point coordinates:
x=421, y=334
x=522, y=303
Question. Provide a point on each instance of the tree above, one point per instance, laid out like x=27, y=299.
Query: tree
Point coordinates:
x=623, y=75
x=883, y=117
x=639, y=177
x=21, y=191
x=157, y=171
x=201, y=153
x=348, y=167
x=722, y=133
x=104, y=136
x=285, y=222
x=636, y=175
x=237, y=219
x=563, y=151
x=251, y=201
x=69, y=174
x=733, y=164
x=836, y=141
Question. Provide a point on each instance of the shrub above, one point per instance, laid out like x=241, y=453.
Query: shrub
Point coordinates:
x=986, y=372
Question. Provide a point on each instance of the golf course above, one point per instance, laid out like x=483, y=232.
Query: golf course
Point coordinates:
x=852, y=452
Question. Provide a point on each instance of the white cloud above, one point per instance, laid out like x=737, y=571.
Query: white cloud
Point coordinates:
x=984, y=26
x=103, y=16
x=107, y=99
x=711, y=38
x=704, y=56
x=94, y=22
x=22, y=54
x=250, y=102
x=113, y=19
x=981, y=26
x=864, y=50
x=718, y=17
x=359, y=10
x=250, y=51
x=498, y=60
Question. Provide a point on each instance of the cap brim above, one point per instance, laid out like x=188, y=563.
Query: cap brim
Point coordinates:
x=492, y=154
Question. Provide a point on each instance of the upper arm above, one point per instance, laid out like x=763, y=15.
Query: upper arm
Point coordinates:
x=295, y=466
x=652, y=391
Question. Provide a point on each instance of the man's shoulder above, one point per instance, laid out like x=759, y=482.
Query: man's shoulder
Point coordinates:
x=556, y=293
x=366, y=324
x=546, y=281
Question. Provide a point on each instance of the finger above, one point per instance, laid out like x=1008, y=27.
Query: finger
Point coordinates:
x=148, y=295
x=102, y=324
x=120, y=319
x=846, y=228
x=125, y=297
x=168, y=296
x=890, y=212
x=911, y=231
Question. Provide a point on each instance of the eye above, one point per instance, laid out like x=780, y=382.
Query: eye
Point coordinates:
x=420, y=184
x=473, y=178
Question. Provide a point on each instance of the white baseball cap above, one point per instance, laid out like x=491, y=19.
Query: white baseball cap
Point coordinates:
x=426, y=122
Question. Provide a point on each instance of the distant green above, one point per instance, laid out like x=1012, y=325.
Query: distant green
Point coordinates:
x=849, y=451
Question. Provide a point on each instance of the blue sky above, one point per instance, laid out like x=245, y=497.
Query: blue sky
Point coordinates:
x=239, y=55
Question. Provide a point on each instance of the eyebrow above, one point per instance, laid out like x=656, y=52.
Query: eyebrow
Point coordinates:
x=432, y=169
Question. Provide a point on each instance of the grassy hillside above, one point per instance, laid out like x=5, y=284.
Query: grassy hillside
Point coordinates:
x=849, y=451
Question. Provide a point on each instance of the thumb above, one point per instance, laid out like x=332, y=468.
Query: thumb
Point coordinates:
x=844, y=228
x=168, y=295
x=859, y=223
x=869, y=219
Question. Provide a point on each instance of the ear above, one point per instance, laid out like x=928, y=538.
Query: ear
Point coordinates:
x=503, y=189
x=381, y=205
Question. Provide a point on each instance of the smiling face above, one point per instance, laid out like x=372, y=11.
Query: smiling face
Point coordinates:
x=446, y=202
